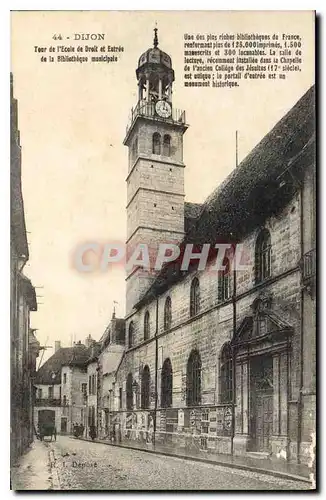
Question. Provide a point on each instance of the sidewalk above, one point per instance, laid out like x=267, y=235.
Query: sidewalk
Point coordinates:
x=33, y=472
x=278, y=468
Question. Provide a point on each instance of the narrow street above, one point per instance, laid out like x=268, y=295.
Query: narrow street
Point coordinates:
x=82, y=465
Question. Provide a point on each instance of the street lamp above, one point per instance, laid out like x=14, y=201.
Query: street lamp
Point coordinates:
x=110, y=431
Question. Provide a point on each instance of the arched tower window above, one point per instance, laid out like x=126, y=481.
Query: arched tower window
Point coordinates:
x=129, y=396
x=226, y=375
x=146, y=326
x=225, y=282
x=131, y=334
x=166, y=384
x=194, y=297
x=167, y=145
x=145, y=386
x=156, y=144
x=167, y=314
x=263, y=256
x=194, y=379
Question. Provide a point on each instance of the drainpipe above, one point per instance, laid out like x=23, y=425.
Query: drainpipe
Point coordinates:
x=156, y=368
x=98, y=398
x=288, y=398
x=301, y=332
x=234, y=305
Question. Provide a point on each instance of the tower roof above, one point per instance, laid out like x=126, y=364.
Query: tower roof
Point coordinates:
x=154, y=56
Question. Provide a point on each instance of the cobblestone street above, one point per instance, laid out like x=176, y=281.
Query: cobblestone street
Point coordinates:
x=82, y=465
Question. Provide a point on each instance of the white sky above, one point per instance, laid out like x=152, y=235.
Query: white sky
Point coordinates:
x=72, y=120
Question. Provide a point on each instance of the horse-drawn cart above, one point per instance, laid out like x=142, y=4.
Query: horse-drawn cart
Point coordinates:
x=47, y=430
x=46, y=425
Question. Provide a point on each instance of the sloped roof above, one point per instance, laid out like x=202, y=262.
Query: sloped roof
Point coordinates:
x=245, y=197
x=191, y=213
x=29, y=292
x=115, y=328
x=111, y=359
x=192, y=210
x=65, y=356
x=94, y=351
x=252, y=192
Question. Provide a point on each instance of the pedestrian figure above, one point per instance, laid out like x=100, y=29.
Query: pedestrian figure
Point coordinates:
x=92, y=432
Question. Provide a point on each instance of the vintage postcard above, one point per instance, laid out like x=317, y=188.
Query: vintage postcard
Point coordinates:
x=163, y=250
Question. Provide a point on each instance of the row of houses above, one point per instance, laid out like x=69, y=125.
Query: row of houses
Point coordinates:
x=24, y=346
x=75, y=383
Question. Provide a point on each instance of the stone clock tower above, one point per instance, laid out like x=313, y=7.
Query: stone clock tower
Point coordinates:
x=155, y=181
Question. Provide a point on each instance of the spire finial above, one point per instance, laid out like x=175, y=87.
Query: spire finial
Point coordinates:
x=155, y=36
x=113, y=313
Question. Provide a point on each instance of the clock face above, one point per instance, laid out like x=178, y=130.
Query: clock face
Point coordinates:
x=163, y=109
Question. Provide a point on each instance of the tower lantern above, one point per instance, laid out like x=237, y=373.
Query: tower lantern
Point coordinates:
x=155, y=180
x=155, y=74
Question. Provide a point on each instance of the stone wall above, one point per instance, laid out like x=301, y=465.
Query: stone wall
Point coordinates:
x=155, y=198
x=213, y=326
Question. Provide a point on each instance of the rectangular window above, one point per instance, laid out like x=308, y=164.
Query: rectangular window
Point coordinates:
x=224, y=286
x=64, y=378
x=50, y=392
x=120, y=398
x=39, y=393
x=90, y=384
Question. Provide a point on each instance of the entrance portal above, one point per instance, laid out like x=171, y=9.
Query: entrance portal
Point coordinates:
x=261, y=402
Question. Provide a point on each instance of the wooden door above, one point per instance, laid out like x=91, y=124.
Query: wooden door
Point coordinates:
x=261, y=403
x=264, y=420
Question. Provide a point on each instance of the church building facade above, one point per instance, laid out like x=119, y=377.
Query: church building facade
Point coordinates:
x=219, y=361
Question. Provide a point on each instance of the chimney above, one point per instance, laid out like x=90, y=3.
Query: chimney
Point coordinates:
x=89, y=341
x=57, y=345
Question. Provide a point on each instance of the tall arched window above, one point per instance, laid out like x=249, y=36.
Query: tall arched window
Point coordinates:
x=226, y=375
x=156, y=143
x=194, y=297
x=194, y=379
x=166, y=384
x=129, y=396
x=146, y=326
x=166, y=145
x=131, y=334
x=225, y=282
x=145, y=386
x=167, y=314
x=263, y=256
